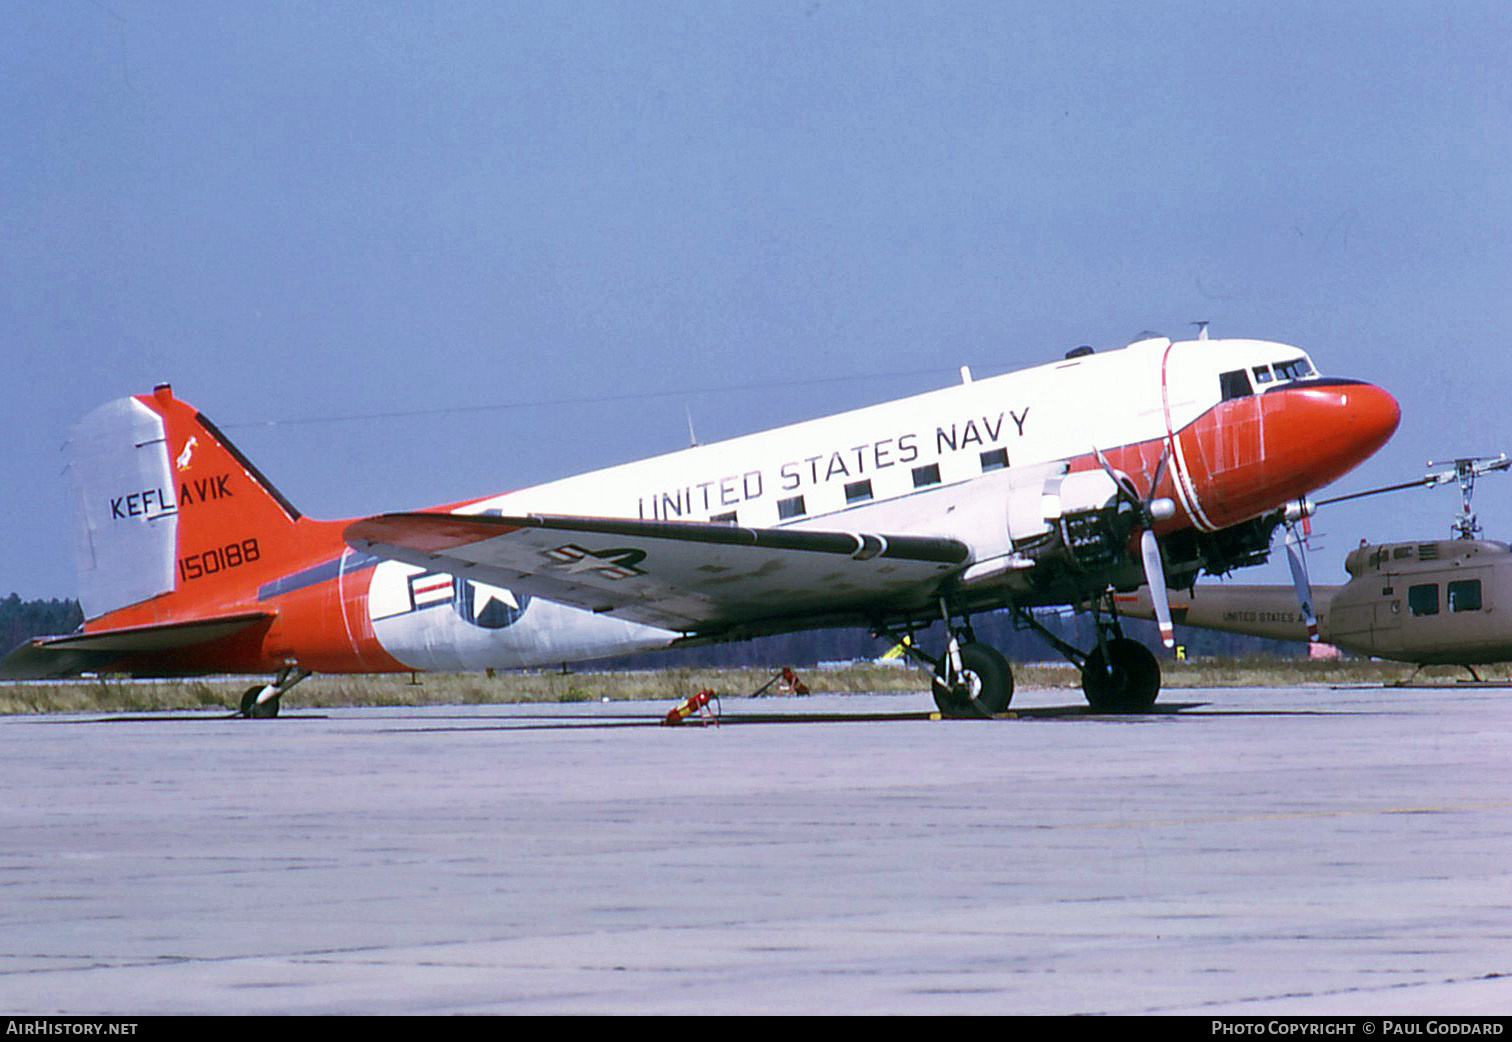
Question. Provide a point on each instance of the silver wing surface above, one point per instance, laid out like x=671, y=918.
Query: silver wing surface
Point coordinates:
x=699, y=578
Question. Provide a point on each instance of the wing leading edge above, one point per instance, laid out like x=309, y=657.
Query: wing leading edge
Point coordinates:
x=699, y=578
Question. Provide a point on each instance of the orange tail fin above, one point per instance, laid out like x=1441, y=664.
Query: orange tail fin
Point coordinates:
x=167, y=505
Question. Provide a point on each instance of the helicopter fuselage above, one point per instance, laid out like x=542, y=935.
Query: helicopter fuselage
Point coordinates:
x=1446, y=601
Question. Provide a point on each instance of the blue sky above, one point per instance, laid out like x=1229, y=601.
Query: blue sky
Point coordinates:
x=410, y=253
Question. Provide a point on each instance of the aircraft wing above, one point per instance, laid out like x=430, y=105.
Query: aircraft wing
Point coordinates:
x=700, y=578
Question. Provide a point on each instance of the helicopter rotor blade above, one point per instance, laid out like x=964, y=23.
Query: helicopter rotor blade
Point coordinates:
x=1419, y=483
x=1465, y=469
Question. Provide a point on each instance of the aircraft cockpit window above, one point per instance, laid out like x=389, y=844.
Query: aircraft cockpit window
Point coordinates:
x=1235, y=385
x=1262, y=374
x=1465, y=595
x=1423, y=599
x=1296, y=369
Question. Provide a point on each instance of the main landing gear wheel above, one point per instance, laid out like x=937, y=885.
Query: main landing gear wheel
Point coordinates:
x=1125, y=680
x=251, y=708
x=984, y=687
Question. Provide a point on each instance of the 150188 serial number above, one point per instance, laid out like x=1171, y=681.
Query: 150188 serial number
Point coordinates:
x=218, y=559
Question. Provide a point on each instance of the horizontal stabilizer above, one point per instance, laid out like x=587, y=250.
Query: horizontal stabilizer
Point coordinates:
x=691, y=576
x=55, y=657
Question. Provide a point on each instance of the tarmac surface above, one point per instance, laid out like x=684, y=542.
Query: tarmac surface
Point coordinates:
x=1247, y=852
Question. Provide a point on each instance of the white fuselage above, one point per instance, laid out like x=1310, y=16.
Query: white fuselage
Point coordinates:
x=910, y=466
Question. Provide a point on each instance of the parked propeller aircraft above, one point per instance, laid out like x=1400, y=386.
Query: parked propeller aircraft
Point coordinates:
x=1434, y=602
x=1050, y=486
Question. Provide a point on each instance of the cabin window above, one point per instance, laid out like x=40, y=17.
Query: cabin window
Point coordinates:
x=858, y=492
x=1423, y=599
x=723, y=519
x=996, y=459
x=790, y=507
x=1262, y=374
x=1235, y=385
x=1465, y=595
x=927, y=475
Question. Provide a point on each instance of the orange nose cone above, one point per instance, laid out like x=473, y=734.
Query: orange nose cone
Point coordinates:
x=1377, y=417
x=1251, y=455
x=1317, y=433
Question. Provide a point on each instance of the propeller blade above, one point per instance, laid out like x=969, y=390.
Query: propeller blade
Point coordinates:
x=1160, y=469
x=1154, y=569
x=1158, y=509
x=1300, y=582
x=1123, y=482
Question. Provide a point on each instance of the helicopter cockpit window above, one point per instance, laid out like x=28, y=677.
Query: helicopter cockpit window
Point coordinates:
x=1262, y=374
x=1296, y=369
x=1423, y=599
x=1465, y=595
x=1235, y=385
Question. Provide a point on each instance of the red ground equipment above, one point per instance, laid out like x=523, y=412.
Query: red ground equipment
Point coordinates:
x=791, y=684
x=699, y=704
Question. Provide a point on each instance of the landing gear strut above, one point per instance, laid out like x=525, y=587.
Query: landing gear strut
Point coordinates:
x=971, y=679
x=261, y=701
x=979, y=684
x=1120, y=675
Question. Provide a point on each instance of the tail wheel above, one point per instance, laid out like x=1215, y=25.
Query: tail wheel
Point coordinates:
x=250, y=707
x=1125, y=680
x=984, y=687
x=267, y=708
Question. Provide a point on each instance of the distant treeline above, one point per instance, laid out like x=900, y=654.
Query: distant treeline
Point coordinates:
x=997, y=628
x=21, y=620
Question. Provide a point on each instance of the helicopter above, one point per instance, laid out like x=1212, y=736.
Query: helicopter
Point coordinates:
x=1429, y=602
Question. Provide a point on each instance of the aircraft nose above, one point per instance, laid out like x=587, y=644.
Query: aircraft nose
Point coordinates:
x=1325, y=429
x=1255, y=453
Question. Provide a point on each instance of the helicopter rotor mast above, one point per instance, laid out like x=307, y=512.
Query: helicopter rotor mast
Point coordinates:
x=1465, y=471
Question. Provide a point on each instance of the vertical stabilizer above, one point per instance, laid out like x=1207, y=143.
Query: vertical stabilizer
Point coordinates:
x=167, y=505
x=125, y=506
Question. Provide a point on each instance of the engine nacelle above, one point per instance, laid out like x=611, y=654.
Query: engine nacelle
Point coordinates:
x=1084, y=516
x=1039, y=500
x=1082, y=520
